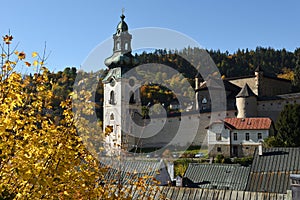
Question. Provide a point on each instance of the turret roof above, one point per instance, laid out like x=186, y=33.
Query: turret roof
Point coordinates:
x=245, y=92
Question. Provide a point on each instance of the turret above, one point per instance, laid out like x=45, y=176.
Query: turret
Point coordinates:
x=246, y=102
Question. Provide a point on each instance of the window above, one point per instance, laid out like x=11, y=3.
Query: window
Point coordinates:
x=218, y=137
x=247, y=136
x=112, y=117
x=126, y=46
x=118, y=45
x=219, y=149
x=259, y=136
x=131, y=100
x=235, y=151
x=234, y=136
x=112, y=97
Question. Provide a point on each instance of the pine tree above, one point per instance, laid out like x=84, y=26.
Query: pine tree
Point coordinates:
x=296, y=82
x=288, y=126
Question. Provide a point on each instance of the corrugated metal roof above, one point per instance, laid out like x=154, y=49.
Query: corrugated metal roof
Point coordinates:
x=181, y=193
x=217, y=176
x=129, y=171
x=271, y=171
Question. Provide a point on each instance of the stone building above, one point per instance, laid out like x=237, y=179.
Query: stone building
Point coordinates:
x=238, y=137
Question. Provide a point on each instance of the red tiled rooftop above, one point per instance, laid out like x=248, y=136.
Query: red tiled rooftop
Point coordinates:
x=249, y=123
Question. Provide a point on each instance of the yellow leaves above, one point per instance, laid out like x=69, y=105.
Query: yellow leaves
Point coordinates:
x=35, y=63
x=3, y=55
x=34, y=54
x=7, y=39
x=108, y=129
x=21, y=55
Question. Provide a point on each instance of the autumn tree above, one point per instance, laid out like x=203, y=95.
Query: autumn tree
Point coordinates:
x=42, y=156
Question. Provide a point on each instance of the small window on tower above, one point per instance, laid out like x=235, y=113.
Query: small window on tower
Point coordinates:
x=118, y=45
x=112, y=97
x=126, y=46
x=131, y=100
x=112, y=117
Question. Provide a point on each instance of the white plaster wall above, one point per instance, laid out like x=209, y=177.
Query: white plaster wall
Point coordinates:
x=212, y=133
x=241, y=136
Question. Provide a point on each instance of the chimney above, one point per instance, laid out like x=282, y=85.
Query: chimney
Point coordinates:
x=260, y=148
x=170, y=168
x=295, y=186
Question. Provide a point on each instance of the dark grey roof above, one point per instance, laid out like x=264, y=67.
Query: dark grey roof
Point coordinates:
x=122, y=26
x=271, y=171
x=258, y=69
x=129, y=171
x=245, y=92
x=182, y=193
x=218, y=176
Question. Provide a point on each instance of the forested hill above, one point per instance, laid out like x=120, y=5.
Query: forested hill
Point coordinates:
x=280, y=63
x=240, y=63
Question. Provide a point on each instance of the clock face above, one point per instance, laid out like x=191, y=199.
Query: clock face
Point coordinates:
x=112, y=82
x=131, y=82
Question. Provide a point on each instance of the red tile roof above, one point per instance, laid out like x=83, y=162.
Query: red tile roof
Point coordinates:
x=248, y=123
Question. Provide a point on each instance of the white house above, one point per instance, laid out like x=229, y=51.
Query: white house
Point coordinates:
x=237, y=137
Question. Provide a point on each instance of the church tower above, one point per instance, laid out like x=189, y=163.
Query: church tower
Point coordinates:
x=121, y=93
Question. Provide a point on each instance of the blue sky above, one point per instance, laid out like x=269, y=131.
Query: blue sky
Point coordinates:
x=73, y=28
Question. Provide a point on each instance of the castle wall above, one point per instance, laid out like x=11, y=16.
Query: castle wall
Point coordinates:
x=272, y=108
x=272, y=87
x=179, y=130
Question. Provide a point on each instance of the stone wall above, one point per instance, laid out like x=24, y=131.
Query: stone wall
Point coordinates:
x=272, y=108
x=214, y=150
x=189, y=129
x=273, y=86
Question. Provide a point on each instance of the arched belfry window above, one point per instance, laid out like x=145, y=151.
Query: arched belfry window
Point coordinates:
x=112, y=97
x=118, y=46
x=204, y=101
x=126, y=46
x=131, y=100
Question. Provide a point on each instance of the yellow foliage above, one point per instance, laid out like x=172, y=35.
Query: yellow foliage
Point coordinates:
x=41, y=155
x=34, y=54
x=287, y=74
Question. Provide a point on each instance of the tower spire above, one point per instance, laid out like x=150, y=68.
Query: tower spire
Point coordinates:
x=123, y=16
